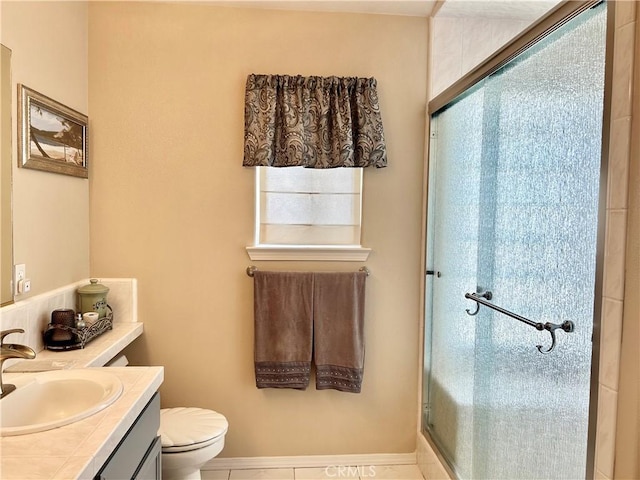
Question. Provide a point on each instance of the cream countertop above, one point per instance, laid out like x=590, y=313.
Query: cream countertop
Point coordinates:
x=78, y=450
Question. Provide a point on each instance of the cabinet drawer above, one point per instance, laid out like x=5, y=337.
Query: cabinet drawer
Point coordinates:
x=131, y=452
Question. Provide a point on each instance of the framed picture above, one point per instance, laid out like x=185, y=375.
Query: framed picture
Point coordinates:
x=51, y=136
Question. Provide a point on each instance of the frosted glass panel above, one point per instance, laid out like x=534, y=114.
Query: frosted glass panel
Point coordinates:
x=458, y=155
x=523, y=149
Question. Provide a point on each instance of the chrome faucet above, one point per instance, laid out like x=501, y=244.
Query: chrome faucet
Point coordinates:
x=12, y=350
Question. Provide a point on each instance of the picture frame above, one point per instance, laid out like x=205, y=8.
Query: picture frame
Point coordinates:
x=51, y=136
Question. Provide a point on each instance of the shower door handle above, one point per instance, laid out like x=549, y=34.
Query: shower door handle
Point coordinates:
x=567, y=326
x=433, y=272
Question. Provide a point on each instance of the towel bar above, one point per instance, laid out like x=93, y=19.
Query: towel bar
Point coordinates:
x=251, y=269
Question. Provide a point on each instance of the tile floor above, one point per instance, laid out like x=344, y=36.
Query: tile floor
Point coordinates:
x=366, y=472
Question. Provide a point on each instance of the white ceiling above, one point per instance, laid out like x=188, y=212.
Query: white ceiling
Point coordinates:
x=421, y=8
x=516, y=9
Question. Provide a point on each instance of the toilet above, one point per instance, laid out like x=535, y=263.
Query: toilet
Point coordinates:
x=190, y=438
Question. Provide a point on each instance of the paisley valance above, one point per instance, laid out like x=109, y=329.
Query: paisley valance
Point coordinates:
x=315, y=122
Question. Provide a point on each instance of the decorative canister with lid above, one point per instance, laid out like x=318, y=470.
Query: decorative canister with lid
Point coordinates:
x=93, y=298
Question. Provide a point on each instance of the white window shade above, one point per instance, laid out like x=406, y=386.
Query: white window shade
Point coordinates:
x=302, y=206
x=308, y=210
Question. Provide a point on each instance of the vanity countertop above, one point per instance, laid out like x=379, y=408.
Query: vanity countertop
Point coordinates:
x=77, y=451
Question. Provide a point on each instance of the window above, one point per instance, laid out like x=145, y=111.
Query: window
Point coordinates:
x=308, y=214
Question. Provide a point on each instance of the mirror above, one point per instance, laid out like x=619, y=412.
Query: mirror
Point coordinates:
x=6, y=236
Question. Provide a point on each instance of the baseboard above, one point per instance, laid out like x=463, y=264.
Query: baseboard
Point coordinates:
x=309, y=461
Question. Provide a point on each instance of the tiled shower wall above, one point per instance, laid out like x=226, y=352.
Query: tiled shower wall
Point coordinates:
x=457, y=46
x=616, y=233
x=627, y=458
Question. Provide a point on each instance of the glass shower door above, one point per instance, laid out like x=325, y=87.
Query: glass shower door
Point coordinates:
x=454, y=253
x=515, y=184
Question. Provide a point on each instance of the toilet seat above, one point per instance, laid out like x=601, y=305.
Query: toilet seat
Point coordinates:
x=185, y=429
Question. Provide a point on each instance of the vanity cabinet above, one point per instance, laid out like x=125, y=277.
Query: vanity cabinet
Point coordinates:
x=138, y=455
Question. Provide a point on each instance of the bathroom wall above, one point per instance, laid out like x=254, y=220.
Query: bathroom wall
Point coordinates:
x=617, y=251
x=49, y=43
x=172, y=205
x=627, y=460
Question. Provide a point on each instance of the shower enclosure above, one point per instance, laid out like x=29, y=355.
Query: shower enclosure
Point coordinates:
x=514, y=185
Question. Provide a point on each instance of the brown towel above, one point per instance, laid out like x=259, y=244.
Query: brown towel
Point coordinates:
x=338, y=326
x=283, y=329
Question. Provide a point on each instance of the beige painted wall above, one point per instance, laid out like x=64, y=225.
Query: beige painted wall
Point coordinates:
x=49, y=43
x=172, y=205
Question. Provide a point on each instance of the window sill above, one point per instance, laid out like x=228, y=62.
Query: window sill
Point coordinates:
x=322, y=253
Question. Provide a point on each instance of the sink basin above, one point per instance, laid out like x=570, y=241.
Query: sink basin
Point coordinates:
x=52, y=399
